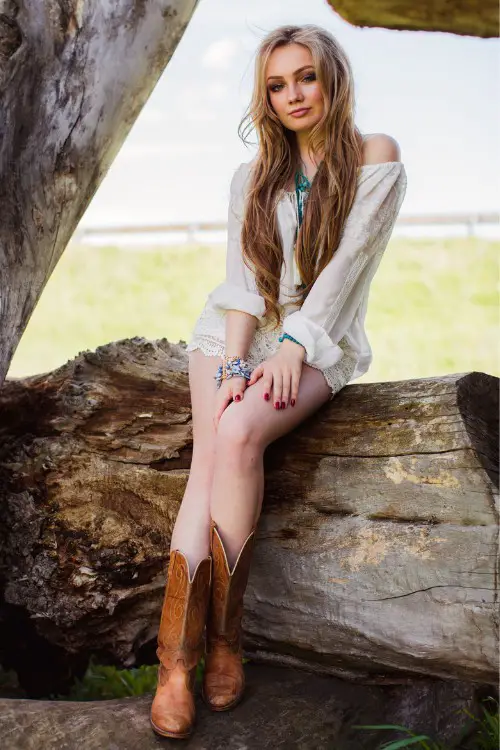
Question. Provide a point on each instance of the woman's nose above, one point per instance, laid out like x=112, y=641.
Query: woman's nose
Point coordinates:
x=294, y=94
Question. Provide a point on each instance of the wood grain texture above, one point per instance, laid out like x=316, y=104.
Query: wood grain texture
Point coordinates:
x=376, y=554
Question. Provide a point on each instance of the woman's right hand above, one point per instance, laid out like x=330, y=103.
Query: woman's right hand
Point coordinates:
x=231, y=389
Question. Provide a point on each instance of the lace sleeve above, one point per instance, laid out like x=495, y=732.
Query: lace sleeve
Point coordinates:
x=338, y=291
x=239, y=290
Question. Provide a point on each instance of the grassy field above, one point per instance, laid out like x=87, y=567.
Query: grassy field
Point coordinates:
x=433, y=307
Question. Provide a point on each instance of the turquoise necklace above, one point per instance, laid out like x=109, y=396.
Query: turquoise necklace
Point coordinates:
x=302, y=188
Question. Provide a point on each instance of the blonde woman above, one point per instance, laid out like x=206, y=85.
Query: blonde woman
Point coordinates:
x=309, y=219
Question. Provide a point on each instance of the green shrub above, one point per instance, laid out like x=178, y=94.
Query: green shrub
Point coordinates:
x=105, y=682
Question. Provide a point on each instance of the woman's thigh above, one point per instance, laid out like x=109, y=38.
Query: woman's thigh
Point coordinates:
x=202, y=369
x=253, y=419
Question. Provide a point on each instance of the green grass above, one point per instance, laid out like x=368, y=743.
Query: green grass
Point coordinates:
x=102, y=682
x=480, y=733
x=433, y=307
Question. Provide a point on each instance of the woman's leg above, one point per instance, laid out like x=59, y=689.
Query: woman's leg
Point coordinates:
x=245, y=429
x=188, y=585
x=191, y=530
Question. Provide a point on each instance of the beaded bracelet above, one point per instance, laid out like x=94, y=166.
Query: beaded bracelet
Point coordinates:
x=231, y=367
x=287, y=336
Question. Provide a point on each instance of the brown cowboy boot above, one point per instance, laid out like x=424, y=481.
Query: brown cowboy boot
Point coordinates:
x=180, y=645
x=224, y=678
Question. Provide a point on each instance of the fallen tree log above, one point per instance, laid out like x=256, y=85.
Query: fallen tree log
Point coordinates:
x=282, y=707
x=73, y=77
x=377, y=550
x=453, y=16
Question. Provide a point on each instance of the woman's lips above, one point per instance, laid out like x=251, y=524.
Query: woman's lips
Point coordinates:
x=300, y=112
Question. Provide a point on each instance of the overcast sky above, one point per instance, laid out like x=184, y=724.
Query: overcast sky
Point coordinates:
x=437, y=94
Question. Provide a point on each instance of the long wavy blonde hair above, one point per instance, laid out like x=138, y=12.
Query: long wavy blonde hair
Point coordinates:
x=335, y=182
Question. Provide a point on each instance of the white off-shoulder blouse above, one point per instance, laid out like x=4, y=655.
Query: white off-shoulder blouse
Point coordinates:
x=331, y=320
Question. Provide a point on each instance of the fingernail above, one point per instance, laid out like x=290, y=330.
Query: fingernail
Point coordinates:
x=292, y=402
x=266, y=396
x=277, y=405
x=237, y=398
x=282, y=404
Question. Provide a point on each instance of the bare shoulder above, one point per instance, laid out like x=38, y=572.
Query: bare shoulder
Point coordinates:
x=379, y=147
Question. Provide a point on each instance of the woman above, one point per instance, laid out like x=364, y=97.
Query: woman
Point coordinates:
x=281, y=336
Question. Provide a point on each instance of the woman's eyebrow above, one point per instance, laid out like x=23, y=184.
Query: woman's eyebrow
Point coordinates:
x=294, y=73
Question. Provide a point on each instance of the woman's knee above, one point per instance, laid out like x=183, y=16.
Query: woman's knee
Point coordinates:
x=236, y=431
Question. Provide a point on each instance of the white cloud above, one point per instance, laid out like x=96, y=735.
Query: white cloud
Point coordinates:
x=219, y=54
x=203, y=115
x=153, y=115
x=216, y=90
x=166, y=151
x=144, y=150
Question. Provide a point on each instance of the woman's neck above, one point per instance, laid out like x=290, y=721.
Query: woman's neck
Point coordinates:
x=308, y=165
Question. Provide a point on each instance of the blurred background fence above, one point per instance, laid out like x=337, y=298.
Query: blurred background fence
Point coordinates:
x=467, y=223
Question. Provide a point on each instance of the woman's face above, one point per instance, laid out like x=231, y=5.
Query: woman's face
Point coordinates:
x=291, y=84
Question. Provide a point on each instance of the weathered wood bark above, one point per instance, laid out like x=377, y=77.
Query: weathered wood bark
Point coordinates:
x=377, y=549
x=282, y=707
x=74, y=76
x=464, y=17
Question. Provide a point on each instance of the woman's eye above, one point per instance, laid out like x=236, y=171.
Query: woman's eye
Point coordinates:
x=276, y=86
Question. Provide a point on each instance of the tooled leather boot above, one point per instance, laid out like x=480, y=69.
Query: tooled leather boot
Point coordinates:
x=180, y=645
x=223, y=677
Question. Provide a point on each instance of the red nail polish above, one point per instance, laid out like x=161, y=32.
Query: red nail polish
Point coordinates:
x=282, y=404
x=237, y=398
x=293, y=402
x=266, y=396
x=277, y=405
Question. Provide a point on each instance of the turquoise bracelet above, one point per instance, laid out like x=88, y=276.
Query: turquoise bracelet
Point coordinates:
x=287, y=336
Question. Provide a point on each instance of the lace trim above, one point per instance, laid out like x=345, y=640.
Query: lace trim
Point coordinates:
x=209, y=345
x=209, y=336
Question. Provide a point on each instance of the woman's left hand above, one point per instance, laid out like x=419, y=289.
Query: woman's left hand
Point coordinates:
x=281, y=373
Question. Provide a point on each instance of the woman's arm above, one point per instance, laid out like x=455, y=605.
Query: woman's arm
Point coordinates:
x=240, y=328
x=336, y=294
x=237, y=297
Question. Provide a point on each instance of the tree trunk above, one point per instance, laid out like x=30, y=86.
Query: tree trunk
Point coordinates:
x=376, y=553
x=74, y=75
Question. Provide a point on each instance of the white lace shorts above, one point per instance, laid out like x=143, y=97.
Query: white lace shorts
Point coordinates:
x=209, y=335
